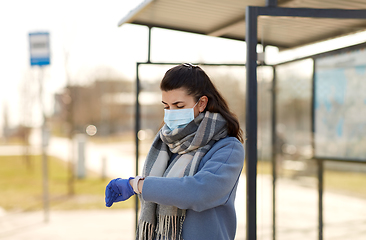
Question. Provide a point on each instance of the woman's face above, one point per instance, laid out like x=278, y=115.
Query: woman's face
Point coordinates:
x=179, y=99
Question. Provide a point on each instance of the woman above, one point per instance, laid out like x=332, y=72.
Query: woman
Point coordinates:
x=191, y=172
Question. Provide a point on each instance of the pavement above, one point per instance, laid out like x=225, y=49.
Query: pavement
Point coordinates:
x=297, y=214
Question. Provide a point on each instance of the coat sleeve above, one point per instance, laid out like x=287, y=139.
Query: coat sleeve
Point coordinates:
x=211, y=186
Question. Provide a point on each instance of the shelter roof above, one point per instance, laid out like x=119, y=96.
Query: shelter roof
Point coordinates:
x=226, y=18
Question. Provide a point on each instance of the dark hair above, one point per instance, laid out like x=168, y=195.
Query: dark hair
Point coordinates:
x=198, y=84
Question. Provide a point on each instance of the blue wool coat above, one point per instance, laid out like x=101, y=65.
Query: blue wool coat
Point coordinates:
x=208, y=196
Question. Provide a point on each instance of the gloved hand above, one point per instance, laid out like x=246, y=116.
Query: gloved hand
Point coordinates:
x=118, y=190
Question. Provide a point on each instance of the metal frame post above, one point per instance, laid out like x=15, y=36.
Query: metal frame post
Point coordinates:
x=320, y=198
x=251, y=122
x=320, y=163
x=138, y=122
x=274, y=153
x=137, y=129
x=149, y=47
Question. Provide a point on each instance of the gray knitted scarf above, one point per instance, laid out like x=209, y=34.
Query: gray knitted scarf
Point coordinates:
x=191, y=144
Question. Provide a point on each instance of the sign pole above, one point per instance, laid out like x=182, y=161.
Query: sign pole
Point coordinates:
x=39, y=49
x=45, y=181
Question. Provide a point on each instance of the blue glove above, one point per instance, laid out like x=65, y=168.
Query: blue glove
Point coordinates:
x=118, y=190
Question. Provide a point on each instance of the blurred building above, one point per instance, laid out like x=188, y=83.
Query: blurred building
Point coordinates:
x=107, y=104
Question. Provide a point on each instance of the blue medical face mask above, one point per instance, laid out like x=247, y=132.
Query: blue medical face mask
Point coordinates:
x=178, y=118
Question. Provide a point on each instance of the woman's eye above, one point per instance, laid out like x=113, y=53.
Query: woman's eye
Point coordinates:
x=180, y=106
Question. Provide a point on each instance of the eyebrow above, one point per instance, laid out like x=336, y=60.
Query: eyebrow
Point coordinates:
x=175, y=103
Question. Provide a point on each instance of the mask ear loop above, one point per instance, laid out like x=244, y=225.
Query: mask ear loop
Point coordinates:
x=197, y=103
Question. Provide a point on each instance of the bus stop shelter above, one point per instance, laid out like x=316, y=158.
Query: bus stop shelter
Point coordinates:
x=285, y=24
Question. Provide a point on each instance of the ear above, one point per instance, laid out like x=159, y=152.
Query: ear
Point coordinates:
x=202, y=103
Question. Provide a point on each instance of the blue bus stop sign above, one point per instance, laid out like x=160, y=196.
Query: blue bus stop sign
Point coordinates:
x=39, y=48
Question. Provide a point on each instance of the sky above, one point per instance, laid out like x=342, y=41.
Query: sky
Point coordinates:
x=86, y=43
x=85, y=31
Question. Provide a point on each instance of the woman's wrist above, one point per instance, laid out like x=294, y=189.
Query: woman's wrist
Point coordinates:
x=140, y=184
